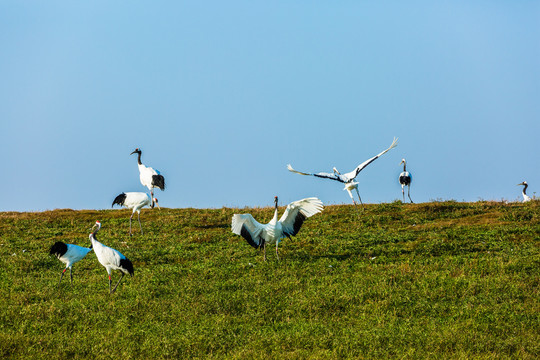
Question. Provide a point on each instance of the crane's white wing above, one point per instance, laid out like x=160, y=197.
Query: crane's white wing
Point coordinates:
x=324, y=175
x=76, y=253
x=137, y=199
x=351, y=175
x=298, y=211
x=247, y=227
x=107, y=256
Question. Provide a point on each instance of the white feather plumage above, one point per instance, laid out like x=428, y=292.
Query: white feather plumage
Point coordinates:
x=258, y=235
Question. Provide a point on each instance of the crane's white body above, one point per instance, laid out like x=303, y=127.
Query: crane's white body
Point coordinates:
x=149, y=177
x=146, y=174
x=135, y=201
x=348, y=178
x=73, y=254
x=526, y=197
x=258, y=235
x=110, y=258
x=405, y=179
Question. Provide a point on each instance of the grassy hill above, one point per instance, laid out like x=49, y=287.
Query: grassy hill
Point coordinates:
x=435, y=280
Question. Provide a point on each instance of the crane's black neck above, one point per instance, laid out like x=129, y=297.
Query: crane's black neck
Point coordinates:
x=525, y=189
x=94, y=236
x=404, y=166
x=139, y=157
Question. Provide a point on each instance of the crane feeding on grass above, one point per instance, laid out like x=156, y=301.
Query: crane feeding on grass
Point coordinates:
x=110, y=258
x=258, y=235
x=405, y=179
x=525, y=196
x=69, y=254
x=349, y=178
x=135, y=201
x=149, y=177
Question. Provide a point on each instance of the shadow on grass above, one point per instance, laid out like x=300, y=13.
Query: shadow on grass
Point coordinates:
x=313, y=258
x=212, y=226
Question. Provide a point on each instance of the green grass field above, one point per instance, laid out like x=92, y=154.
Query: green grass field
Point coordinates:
x=436, y=280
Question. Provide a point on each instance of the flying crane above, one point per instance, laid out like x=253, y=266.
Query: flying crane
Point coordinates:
x=348, y=178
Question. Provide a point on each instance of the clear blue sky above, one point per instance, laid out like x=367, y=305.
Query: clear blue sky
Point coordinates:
x=221, y=95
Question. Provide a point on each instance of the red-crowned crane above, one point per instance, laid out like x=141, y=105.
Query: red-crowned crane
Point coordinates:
x=348, y=178
x=405, y=179
x=135, y=201
x=525, y=196
x=110, y=258
x=149, y=177
x=258, y=235
x=69, y=254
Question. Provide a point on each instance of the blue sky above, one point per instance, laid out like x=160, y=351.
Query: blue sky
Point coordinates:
x=221, y=96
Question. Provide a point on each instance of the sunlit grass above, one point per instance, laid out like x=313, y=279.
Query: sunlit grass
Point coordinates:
x=436, y=280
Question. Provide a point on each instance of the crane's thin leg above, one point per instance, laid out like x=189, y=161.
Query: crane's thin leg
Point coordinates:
x=110, y=284
x=409, y=193
x=113, y=290
x=61, y=276
x=139, y=218
x=131, y=217
x=71, y=276
x=354, y=202
x=277, y=255
x=264, y=250
x=359, y=198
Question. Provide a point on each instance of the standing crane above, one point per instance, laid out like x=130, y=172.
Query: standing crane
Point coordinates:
x=405, y=179
x=525, y=196
x=349, y=178
x=149, y=177
x=110, y=258
x=135, y=201
x=258, y=235
x=69, y=254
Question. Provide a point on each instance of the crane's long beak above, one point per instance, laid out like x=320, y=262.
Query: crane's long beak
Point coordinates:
x=134, y=151
x=156, y=202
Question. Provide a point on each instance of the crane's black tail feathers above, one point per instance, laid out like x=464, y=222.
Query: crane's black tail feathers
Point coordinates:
x=127, y=265
x=158, y=181
x=119, y=199
x=58, y=249
x=405, y=180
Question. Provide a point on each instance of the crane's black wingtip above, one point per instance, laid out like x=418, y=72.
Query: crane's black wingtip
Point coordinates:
x=244, y=232
x=127, y=265
x=158, y=181
x=58, y=249
x=120, y=199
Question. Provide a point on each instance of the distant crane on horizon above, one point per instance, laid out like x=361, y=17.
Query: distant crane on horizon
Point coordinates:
x=258, y=235
x=110, y=258
x=525, y=196
x=135, y=201
x=405, y=179
x=69, y=254
x=149, y=177
x=349, y=178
